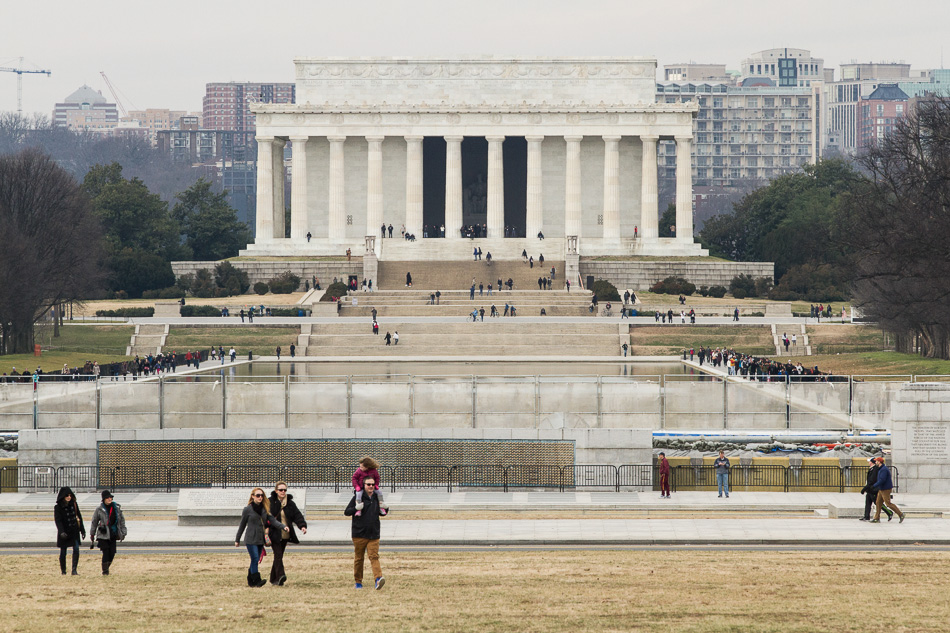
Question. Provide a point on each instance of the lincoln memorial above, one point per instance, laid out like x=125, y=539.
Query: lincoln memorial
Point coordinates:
x=500, y=150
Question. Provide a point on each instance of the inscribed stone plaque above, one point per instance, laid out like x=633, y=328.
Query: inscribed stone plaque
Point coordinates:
x=928, y=442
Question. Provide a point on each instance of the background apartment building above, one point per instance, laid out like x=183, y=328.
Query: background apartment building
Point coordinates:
x=86, y=110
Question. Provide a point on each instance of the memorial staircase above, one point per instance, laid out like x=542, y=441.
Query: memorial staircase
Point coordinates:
x=418, y=303
x=801, y=347
x=499, y=337
x=147, y=339
x=457, y=275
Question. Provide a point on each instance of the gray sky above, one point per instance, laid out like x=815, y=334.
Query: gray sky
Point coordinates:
x=161, y=54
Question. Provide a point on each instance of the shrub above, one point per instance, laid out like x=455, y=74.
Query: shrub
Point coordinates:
x=261, y=288
x=286, y=312
x=336, y=289
x=605, y=291
x=673, y=286
x=203, y=285
x=120, y=294
x=173, y=292
x=762, y=286
x=233, y=280
x=742, y=284
x=185, y=282
x=200, y=311
x=284, y=283
x=717, y=291
x=127, y=312
x=704, y=291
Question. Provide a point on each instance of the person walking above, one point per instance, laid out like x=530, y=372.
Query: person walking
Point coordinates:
x=395, y=337
x=365, y=532
x=870, y=491
x=293, y=350
x=108, y=528
x=278, y=352
x=388, y=337
x=233, y=353
x=884, y=487
x=722, y=473
x=256, y=519
x=286, y=511
x=664, y=465
x=375, y=328
x=408, y=280
x=70, y=529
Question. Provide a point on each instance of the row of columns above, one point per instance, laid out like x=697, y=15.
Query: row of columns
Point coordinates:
x=270, y=191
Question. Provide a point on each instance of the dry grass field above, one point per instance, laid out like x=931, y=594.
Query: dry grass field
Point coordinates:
x=671, y=340
x=545, y=591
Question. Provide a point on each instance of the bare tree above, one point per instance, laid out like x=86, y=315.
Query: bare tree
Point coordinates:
x=898, y=222
x=51, y=249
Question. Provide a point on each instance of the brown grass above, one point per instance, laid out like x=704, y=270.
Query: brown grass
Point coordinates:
x=665, y=340
x=550, y=591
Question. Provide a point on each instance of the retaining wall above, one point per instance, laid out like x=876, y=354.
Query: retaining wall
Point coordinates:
x=640, y=275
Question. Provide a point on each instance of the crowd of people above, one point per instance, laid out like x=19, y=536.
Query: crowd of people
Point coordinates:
x=754, y=367
x=146, y=365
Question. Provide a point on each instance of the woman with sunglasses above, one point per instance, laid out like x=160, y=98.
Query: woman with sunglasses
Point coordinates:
x=256, y=518
x=284, y=508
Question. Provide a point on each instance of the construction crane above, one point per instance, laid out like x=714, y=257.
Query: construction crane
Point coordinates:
x=19, y=81
x=115, y=95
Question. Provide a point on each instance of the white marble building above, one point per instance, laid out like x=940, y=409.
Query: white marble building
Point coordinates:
x=565, y=147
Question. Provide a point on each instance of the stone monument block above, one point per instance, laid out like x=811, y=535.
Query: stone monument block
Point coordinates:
x=223, y=506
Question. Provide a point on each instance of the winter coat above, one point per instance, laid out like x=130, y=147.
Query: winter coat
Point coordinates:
x=100, y=523
x=74, y=528
x=294, y=517
x=367, y=524
x=722, y=465
x=254, y=523
x=870, y=487
x=884, y=481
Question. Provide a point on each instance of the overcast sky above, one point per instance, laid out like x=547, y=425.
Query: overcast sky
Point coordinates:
x=161, y=54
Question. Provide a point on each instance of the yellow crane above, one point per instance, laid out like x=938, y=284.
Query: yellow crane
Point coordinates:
x=19, y=81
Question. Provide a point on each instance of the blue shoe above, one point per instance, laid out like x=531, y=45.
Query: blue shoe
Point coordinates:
x=359, y=585
x=380, y=582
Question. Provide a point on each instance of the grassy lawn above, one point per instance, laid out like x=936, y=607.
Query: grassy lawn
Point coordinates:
x=76, y=344
x=876, y=363
x=547, y=591
x=844, y=338
x=658, y=340
x=260, y=340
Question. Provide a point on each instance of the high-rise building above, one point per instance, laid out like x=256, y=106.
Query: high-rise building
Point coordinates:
x=696, y=72
x=155, y=120
x=787, y=67
x=86, y=110
x=842, y=100
x=878, y=113
x=227, y=106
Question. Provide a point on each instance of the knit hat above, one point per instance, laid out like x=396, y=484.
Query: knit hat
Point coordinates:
x=106, y=495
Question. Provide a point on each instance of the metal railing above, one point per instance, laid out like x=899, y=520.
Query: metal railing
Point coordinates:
x=774, y=477
x=777, y=478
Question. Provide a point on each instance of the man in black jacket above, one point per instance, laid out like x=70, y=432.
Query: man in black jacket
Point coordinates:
x=870, y=492
x=365, y=533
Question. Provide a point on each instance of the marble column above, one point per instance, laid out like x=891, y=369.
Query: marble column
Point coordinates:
x=453, y=186
x=612, y=189
x=280, y=209
x=374, y=185
x=414, y=185
x=496, y=186
x=649, y=218
x=264, y=224
x=337, y=199
x=299, y=217
x=684, y=189
x=572, y=189
x=534, y=218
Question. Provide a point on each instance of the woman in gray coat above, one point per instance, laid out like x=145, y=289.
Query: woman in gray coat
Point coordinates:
x=256, y=519
x=108, y=528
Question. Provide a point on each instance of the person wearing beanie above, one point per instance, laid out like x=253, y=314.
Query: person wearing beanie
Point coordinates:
x=108, y=528
x=256, y=519
x=70, y=529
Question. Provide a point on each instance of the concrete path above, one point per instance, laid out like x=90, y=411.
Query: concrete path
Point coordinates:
x=636, y=518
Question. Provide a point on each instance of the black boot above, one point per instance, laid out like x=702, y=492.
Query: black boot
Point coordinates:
x=258, y=581
x=75, y=564
x=250, y=580
x=62, y=563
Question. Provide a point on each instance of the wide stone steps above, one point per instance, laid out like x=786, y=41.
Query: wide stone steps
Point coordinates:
x=800, y=347
x=147, y=339
x=458, y=275
x=523, y=309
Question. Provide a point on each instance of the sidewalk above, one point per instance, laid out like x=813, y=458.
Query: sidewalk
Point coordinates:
x=650, y=520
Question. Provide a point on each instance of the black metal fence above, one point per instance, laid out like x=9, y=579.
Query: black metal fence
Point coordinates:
x=39, y=478
x=776, y=477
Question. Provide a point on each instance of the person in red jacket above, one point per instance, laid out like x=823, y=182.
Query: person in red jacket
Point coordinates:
x=664, y=477
x=368, y=468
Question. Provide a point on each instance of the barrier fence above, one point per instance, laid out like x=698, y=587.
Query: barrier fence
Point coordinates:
x=574, y=477
x=674, y=401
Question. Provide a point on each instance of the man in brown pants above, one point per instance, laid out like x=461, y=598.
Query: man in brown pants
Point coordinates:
x=884, y=486
x=365, y=533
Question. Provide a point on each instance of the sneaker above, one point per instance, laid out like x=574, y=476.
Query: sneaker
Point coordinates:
x=380, y=582
x=727, y=496
x=875, y=520
x=863, y=519
x=901, y=519
x=890, y=516
x=359, y=585
x=720, y=496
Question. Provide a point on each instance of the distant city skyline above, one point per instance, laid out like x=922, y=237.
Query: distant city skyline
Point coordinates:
x=163, y=59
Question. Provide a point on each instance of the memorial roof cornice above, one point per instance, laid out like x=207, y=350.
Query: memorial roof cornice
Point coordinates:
x=445, y=108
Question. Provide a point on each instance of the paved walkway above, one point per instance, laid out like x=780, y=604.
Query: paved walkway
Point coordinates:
x=635, y=519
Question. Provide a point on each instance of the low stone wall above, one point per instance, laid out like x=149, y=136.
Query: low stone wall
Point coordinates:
x=78, y=447
x=640, y=275
x=264, y=271
x=920, y=437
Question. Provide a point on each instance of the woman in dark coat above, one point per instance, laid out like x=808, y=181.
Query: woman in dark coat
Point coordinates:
x=284, y=510
x=108, y=528
x=69, y=528
x=255, y=518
